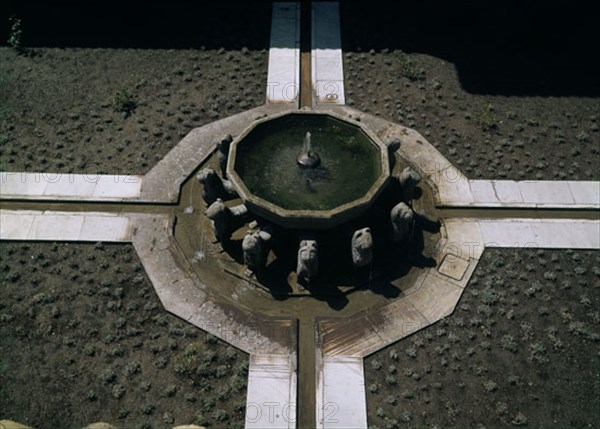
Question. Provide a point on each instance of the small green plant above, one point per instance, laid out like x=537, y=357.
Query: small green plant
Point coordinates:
x=508, y=343
x=410, y=68
x=124, y=101
x=118, y=391
x=487, y=119
x=15, y=34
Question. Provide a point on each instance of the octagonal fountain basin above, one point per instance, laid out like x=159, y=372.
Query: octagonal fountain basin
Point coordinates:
x=307, y=169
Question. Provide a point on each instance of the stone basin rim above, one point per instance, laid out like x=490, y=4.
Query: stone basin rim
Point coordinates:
x=309, y=219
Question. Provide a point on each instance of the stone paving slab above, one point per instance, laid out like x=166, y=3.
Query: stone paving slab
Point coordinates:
x=462, y=238
x=327, y=71
x=341, y=393
x=163, y=182
x=75, y=187
x=182, y=293
x=283, y=80
x=64, y=226
x=526, y=194
x=271, y=397
x=544, y=233
x=436, y=298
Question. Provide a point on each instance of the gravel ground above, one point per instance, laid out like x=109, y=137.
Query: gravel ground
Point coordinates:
x=116, y=110
x=503, y=90
x=102, y=348
x=521, y=349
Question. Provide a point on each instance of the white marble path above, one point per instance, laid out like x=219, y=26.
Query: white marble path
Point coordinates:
x=64, y=226
x=271, y=397
x=341, y=393
x=67, y=186
x=283, y=79
x=326, y=54
x=523, y=194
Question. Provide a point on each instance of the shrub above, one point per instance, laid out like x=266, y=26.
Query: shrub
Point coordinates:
x=91, y=395
x=132, y=368
x=15, y=34
x=221, y=415
x=223, y=393
x=208, y=404
x=147, y=409
x=391, y=380
x=108, y=376
x=406, y=416
x=487, y=120
x=222, y=371
x=123, y=101
x=507, y=342
x=170, y=390
x=410, y=68
x=167, y=418
x=537, y=353
x=490, y=386
x=118, y=391
x=161, y=362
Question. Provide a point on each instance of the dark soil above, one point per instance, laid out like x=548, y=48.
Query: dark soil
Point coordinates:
x=521, y=349
x=504, y=90
x=116, y=110
x=77, y=346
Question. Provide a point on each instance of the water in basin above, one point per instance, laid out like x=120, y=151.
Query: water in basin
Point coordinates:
x=267, y=162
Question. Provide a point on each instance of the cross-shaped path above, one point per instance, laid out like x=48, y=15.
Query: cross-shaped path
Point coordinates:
x=307, y=372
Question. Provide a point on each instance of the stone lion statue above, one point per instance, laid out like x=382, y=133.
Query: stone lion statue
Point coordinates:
x=223, y=153
x=362, y=247
x=214, y=187
x=409, y=179
x=402, y=218
x=308, y=260
x=220, y=216
x=255, y=247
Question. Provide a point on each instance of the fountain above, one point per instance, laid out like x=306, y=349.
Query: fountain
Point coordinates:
x=319, y=214
x=308, y=158
x=311, y=190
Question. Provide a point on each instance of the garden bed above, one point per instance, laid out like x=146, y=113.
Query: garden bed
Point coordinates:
x=117, y=111
x=521, y=349
x=493, y=86
x=84, y=338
